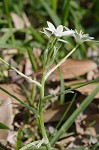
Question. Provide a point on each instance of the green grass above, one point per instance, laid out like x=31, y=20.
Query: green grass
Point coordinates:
x=71, y=13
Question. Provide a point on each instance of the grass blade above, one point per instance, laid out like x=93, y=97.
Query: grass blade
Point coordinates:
x=65, y=13
x=3, y=126
x=9, y=19
x=5, y=37
x=19, y=142
x=22, y=103
x=54, y=5
x=32, y=59
x=66, y=111
x=62, y=96
x=36, y=34
x=72, y=118
x=51, y=13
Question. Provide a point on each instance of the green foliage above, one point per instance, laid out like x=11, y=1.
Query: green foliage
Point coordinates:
x=72, y=118
x=3, y=126
x=68, y=12
x=19, y=141
x=81, y=15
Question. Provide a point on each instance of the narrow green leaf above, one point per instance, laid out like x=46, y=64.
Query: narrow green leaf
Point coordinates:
x=51, y=13
x=96, y=146
x=23, y=103
x=19, y=141
x=5, y=37
x=6, y=5
x=32, y=59
x=54, y=5
x=36, y=34
x=65, y=13
x=62, y=96
x=3, y=126
x=66, y=111
x=11, y=46
x=72, y=118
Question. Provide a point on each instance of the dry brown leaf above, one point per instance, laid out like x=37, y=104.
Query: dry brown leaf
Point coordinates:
x=9, y=53
x=91, y=118
x=94, y=128
x=55, y=113
x=78, y=123
x=37, y=53
x=17, y=20
x=73, y=68
x=28, y=66
x=90, y=131
x=13, y=89
x=66, y=140
x=6, y=117
x=87, y=89
x=26, y=20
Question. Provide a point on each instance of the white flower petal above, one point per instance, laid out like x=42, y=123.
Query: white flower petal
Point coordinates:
x=81, y=37
x=51, y=26
x=58, y=32
x=49, y=29
x=67, y=33
x=59, y=29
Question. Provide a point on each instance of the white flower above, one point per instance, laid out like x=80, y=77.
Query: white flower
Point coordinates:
x=81, y=37
x=58, y=32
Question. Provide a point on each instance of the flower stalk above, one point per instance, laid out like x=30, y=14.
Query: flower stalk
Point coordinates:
x=41, y=120
x=55, y=35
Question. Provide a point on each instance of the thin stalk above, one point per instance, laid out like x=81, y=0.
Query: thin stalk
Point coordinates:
x=62, y=87
x=62, y=61
x=21, y=74
x=41, y=120
x=62, y=96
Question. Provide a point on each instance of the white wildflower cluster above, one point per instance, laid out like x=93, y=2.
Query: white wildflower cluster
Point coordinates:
x=81, y=37
x=62, y=31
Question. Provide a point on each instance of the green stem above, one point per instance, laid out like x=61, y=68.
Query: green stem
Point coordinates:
x=62, y=61
x=41, y=120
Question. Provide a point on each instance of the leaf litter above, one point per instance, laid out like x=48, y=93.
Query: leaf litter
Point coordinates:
x=85, y=130
x=54, y=111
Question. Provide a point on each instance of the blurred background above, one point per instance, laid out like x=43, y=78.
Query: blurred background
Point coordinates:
x=21, y=21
